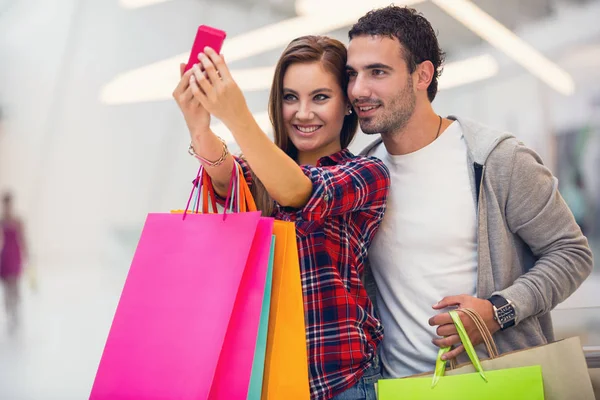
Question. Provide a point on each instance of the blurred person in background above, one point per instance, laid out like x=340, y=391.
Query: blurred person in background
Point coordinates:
x=308, y=176
x=12, y=256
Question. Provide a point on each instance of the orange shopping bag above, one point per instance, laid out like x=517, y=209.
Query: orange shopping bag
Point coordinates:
x=286, y=365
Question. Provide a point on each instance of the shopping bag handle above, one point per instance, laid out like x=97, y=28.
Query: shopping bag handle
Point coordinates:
x=485, y=333
x=239, y=198
x=202, y=188
x=197, y=185
x=239, y=192
x=208, y=191
x=440, y=365
x=245, y=195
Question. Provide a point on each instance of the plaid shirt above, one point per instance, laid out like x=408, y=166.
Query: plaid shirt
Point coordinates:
x=334, y=231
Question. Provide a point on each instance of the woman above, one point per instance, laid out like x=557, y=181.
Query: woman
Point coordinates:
x=308, y=176
x=12, y=252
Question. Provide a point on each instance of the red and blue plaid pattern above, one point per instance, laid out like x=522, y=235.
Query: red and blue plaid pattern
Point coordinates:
x=334, y=232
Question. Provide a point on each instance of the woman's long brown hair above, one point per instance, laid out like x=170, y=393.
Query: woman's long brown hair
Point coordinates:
x=306, y=49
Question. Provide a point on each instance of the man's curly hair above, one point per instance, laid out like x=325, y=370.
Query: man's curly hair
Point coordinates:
x=417, y=37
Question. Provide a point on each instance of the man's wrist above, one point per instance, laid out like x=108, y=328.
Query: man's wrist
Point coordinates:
x=493, y=325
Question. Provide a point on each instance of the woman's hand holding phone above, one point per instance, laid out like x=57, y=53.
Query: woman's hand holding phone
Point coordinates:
x=196, y=117
x=215, y=89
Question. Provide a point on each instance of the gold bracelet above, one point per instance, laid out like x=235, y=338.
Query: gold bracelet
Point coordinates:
x=208, y=162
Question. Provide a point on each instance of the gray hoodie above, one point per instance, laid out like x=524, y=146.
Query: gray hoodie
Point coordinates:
x=530, y=249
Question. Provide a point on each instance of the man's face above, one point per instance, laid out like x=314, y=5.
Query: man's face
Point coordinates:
x=380, y=86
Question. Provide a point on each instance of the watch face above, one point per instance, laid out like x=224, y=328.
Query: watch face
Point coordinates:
x=506, y=314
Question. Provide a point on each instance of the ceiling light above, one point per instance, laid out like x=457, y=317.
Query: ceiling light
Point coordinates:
x=467, y=71
x=130, y=4
x=262, y=118
x=514, y=47
x=145, y=87
x=252, y=79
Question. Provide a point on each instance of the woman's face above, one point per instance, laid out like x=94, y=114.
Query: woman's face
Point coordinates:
x=314, y=107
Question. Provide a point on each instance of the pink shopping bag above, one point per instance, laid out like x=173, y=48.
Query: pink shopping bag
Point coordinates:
x=169, y=331
x=232, y=376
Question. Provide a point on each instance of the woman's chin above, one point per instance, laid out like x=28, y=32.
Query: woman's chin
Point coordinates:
x=307, y=147
x=305, y=143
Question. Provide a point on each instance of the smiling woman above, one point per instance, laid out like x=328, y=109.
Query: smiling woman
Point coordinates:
x=309, y=177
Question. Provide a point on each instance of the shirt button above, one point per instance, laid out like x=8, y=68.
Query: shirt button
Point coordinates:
x=326, y=197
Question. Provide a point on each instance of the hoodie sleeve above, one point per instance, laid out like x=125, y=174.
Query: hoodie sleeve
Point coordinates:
x=536, y=212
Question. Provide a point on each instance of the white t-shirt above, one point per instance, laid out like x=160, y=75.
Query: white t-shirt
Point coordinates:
x=425, y=248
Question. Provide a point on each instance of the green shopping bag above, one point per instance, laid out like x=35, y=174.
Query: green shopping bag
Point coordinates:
x=524, y=383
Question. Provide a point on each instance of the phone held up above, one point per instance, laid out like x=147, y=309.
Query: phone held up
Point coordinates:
x=206, y=36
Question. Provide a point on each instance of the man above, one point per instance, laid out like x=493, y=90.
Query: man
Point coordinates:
x=474, y=218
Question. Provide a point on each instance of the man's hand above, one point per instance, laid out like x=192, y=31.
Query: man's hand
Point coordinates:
x=447, y=330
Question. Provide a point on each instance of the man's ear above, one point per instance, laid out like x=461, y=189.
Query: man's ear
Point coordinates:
x=424, y=75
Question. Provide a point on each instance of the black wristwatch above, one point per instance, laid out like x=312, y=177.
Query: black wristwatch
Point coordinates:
x=504, y=311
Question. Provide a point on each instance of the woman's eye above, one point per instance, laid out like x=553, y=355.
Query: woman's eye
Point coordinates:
x=289, y=97
x=321, y=97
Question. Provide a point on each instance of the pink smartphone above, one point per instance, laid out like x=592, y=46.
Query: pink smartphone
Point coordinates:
x=206, y=36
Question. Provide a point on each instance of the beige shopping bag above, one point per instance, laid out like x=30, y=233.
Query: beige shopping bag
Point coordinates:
x=564, y=368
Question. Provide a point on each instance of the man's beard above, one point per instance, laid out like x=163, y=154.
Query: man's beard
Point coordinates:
x=395, y=115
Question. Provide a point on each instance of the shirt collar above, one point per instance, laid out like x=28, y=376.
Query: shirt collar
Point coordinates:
x=335, y=158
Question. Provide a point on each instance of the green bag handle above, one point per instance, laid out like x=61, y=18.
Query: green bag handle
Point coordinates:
x=440, y=365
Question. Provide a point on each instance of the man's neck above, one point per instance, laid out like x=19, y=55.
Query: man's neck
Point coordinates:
x=420, y=131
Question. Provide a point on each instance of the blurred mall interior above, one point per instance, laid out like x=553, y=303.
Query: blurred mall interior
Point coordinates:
x=91, y=139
